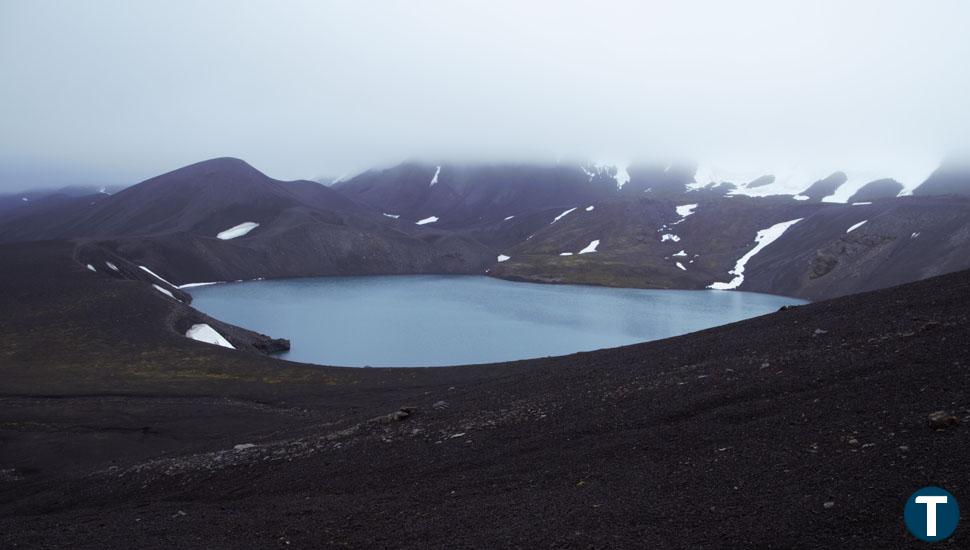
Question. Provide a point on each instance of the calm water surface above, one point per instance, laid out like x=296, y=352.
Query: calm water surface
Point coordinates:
x=433, y=320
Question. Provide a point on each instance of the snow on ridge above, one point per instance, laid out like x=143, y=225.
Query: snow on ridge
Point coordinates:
x=910, y=176
x=763, y=238
x=591, y=247
x=681, y=266
x=669, y=237
x=430, y=219
x=111, y=266
x=166, y=292
x=622, y=177
x=856, y=226
x=503, y=258
x=560, y=216
x=237, y=231
x=394, y=216
x=205, y=333
x=434, y=179
x=153, y=274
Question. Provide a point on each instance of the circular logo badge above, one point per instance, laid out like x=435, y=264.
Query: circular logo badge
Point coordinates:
x=931, y=514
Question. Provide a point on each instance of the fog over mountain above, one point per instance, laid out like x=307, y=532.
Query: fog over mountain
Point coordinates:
x=117, y=92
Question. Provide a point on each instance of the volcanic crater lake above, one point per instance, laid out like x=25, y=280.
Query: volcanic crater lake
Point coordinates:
x=434, y=320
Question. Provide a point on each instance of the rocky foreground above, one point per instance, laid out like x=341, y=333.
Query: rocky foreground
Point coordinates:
x=807, y=428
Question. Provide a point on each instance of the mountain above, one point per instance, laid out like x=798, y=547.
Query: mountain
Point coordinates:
x=875, y=190
x=649, y=225
x=951, y=178
x=180, y=224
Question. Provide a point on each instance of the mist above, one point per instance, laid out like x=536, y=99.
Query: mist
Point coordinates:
x=117, y=92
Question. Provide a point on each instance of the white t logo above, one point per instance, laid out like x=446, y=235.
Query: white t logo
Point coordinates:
x=931, y=502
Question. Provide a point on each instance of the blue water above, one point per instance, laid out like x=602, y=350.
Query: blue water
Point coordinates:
x=433, y=320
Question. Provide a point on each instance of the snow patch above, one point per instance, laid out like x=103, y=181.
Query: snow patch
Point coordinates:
x=204, y=333
x=91, y=267
x=801, y=197
x=560, y=216
x=763, y=239
x=165, y=292
x=860, y=203
x=434, y=179
x=914, y=235
x=669, y=237
x=682, y=253
x=395, y=216
x=509, y=218
x=591, y=247
x=685, y=210
x=427, y=220
x=681, y=266
x=856, y=226
x=565, y=253
x=589, y=208
x=25, y=199
x=503, y=258
x=111, y=266
x=237, y=231
x=153, y=274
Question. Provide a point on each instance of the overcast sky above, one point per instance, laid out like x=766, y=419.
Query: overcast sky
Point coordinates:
x=118, y=91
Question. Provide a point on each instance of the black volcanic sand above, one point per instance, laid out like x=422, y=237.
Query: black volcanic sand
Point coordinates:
x=118, y=432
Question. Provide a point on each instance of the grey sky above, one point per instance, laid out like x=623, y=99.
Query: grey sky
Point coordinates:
x=119, y=90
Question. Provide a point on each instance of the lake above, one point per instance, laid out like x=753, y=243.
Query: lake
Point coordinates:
x=434, y=320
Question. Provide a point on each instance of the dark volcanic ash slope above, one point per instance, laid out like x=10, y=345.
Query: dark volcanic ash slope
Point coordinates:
x=807, y=428
x=171, y=224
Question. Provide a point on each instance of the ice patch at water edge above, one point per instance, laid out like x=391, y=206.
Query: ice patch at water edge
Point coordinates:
x=856, y=226
x=560, y=216
x=503, y=258
x=153, y=274
x=193, y=285
x=591, y=247
x=763, y=239
x=427, y=220
x=434, y=179
x=237, y=231
x=204, y=333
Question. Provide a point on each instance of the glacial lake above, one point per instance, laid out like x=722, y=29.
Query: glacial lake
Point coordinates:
x=434, y=320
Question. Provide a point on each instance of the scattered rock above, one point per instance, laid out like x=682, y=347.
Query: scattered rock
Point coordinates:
x=941, y=420
x=439, y=405
x=395, y=416
x=829, y=504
